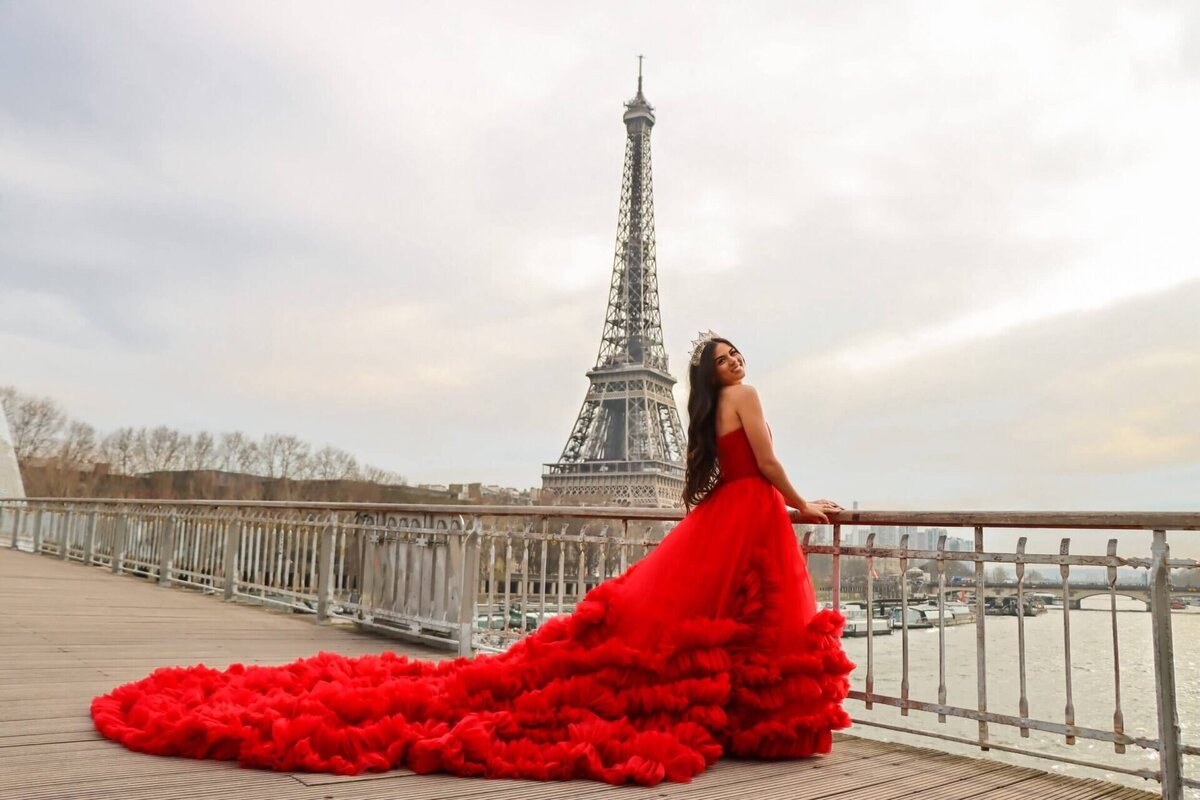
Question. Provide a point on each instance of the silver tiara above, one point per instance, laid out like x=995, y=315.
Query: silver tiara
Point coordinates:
x=699, y=344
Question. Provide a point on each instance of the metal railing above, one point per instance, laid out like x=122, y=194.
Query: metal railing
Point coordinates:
x=479, y=577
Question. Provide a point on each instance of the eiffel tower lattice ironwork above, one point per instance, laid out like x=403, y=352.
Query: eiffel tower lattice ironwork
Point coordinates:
x=627, y=446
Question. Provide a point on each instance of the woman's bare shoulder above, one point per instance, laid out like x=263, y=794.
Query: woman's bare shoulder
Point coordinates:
x=740, y=393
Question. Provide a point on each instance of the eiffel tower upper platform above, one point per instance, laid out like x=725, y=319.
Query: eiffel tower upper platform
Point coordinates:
x=627, y=445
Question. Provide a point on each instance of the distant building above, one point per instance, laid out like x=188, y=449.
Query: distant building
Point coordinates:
x=959, y=545
x=921, y=540
x=885, y=535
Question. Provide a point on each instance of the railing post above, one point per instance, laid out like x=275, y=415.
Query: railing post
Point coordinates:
x=233, y=541
x=1065, y=570
x=1023, y=703
x=469, y=590
x=904, y=625
x=1169, y=756
x=166, y=554
x=981, y=636
x=120, y=535
x=16, y=535
x=89, y=537
x=940, y=565
x=37, y=529
x=64, y=532
x=325, y=568
x=835, y=573
x=1118, y=714
x=870, y=619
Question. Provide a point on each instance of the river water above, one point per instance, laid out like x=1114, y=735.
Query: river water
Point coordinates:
x=1091, y=675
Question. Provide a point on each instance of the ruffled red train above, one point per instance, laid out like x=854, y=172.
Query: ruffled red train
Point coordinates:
x=711, y=644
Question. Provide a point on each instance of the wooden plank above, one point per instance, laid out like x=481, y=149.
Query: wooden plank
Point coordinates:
x=72, y=632
x=1126, y=793
x=971, y=784
x=848, y=749
x=1045, y=787
x=926, y=776
x=49, y=737
x=71, y=724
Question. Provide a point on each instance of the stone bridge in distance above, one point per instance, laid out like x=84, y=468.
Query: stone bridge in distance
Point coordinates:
x=1077, y=592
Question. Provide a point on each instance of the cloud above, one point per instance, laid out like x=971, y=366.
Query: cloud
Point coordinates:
x=957, y=246
x=1023, y=418
x=1130, y=444
x=1143, y=411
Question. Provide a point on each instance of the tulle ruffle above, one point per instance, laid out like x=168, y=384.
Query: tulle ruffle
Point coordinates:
x=710, y=645
x=549, y=709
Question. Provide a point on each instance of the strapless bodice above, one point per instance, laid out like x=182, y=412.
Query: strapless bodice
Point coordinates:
x=736, y=457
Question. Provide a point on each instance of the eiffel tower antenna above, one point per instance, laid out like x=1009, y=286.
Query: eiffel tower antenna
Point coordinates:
x=627, y=446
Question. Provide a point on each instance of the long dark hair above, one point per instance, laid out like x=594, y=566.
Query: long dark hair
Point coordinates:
x=703, y=471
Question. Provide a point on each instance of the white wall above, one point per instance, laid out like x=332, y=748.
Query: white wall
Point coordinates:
x=10, y=475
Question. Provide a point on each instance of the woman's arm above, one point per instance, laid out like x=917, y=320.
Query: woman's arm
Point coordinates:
x=749, y=410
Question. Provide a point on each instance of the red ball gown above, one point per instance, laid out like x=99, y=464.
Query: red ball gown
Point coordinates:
x=711, y=644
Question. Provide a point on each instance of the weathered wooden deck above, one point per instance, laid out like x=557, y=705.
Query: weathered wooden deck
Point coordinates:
x=69, y=632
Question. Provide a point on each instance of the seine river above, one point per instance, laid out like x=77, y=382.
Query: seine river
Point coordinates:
x=1091, y=675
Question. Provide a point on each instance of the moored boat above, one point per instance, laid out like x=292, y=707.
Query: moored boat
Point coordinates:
x=927, y=615
x=1007, y=606
x=860, y=623
x=963, y=613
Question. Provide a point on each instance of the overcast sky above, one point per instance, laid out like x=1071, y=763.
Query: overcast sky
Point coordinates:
x=956, y=241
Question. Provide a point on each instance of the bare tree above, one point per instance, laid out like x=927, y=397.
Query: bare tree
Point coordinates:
x=250, y=459
x=42, y=430
x=280, y=455
x=34, y=422
x=236, y=453
x=332, y=464
x=373, y=474
x=161, y=448
x=203, y=452
x=305, y=467
x=78, y=446
x=118, y=449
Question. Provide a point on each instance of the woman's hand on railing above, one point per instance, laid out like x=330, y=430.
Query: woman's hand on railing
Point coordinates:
x=811, y=514
x=817, y=511
x=827, y=506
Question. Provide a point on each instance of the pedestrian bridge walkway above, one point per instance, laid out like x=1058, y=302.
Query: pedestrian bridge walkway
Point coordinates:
x=69, y=632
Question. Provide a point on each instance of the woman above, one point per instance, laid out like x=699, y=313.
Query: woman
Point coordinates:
x=711, y=644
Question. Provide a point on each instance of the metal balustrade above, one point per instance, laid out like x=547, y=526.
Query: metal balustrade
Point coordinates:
x=480, y=577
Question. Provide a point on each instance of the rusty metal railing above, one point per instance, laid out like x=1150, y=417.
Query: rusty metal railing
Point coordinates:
x=480, y=577
x=1166, y=740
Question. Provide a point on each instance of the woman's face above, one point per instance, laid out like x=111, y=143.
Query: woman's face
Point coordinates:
x=728, y=365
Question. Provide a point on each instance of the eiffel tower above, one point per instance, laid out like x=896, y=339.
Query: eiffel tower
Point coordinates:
x=627, y=446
